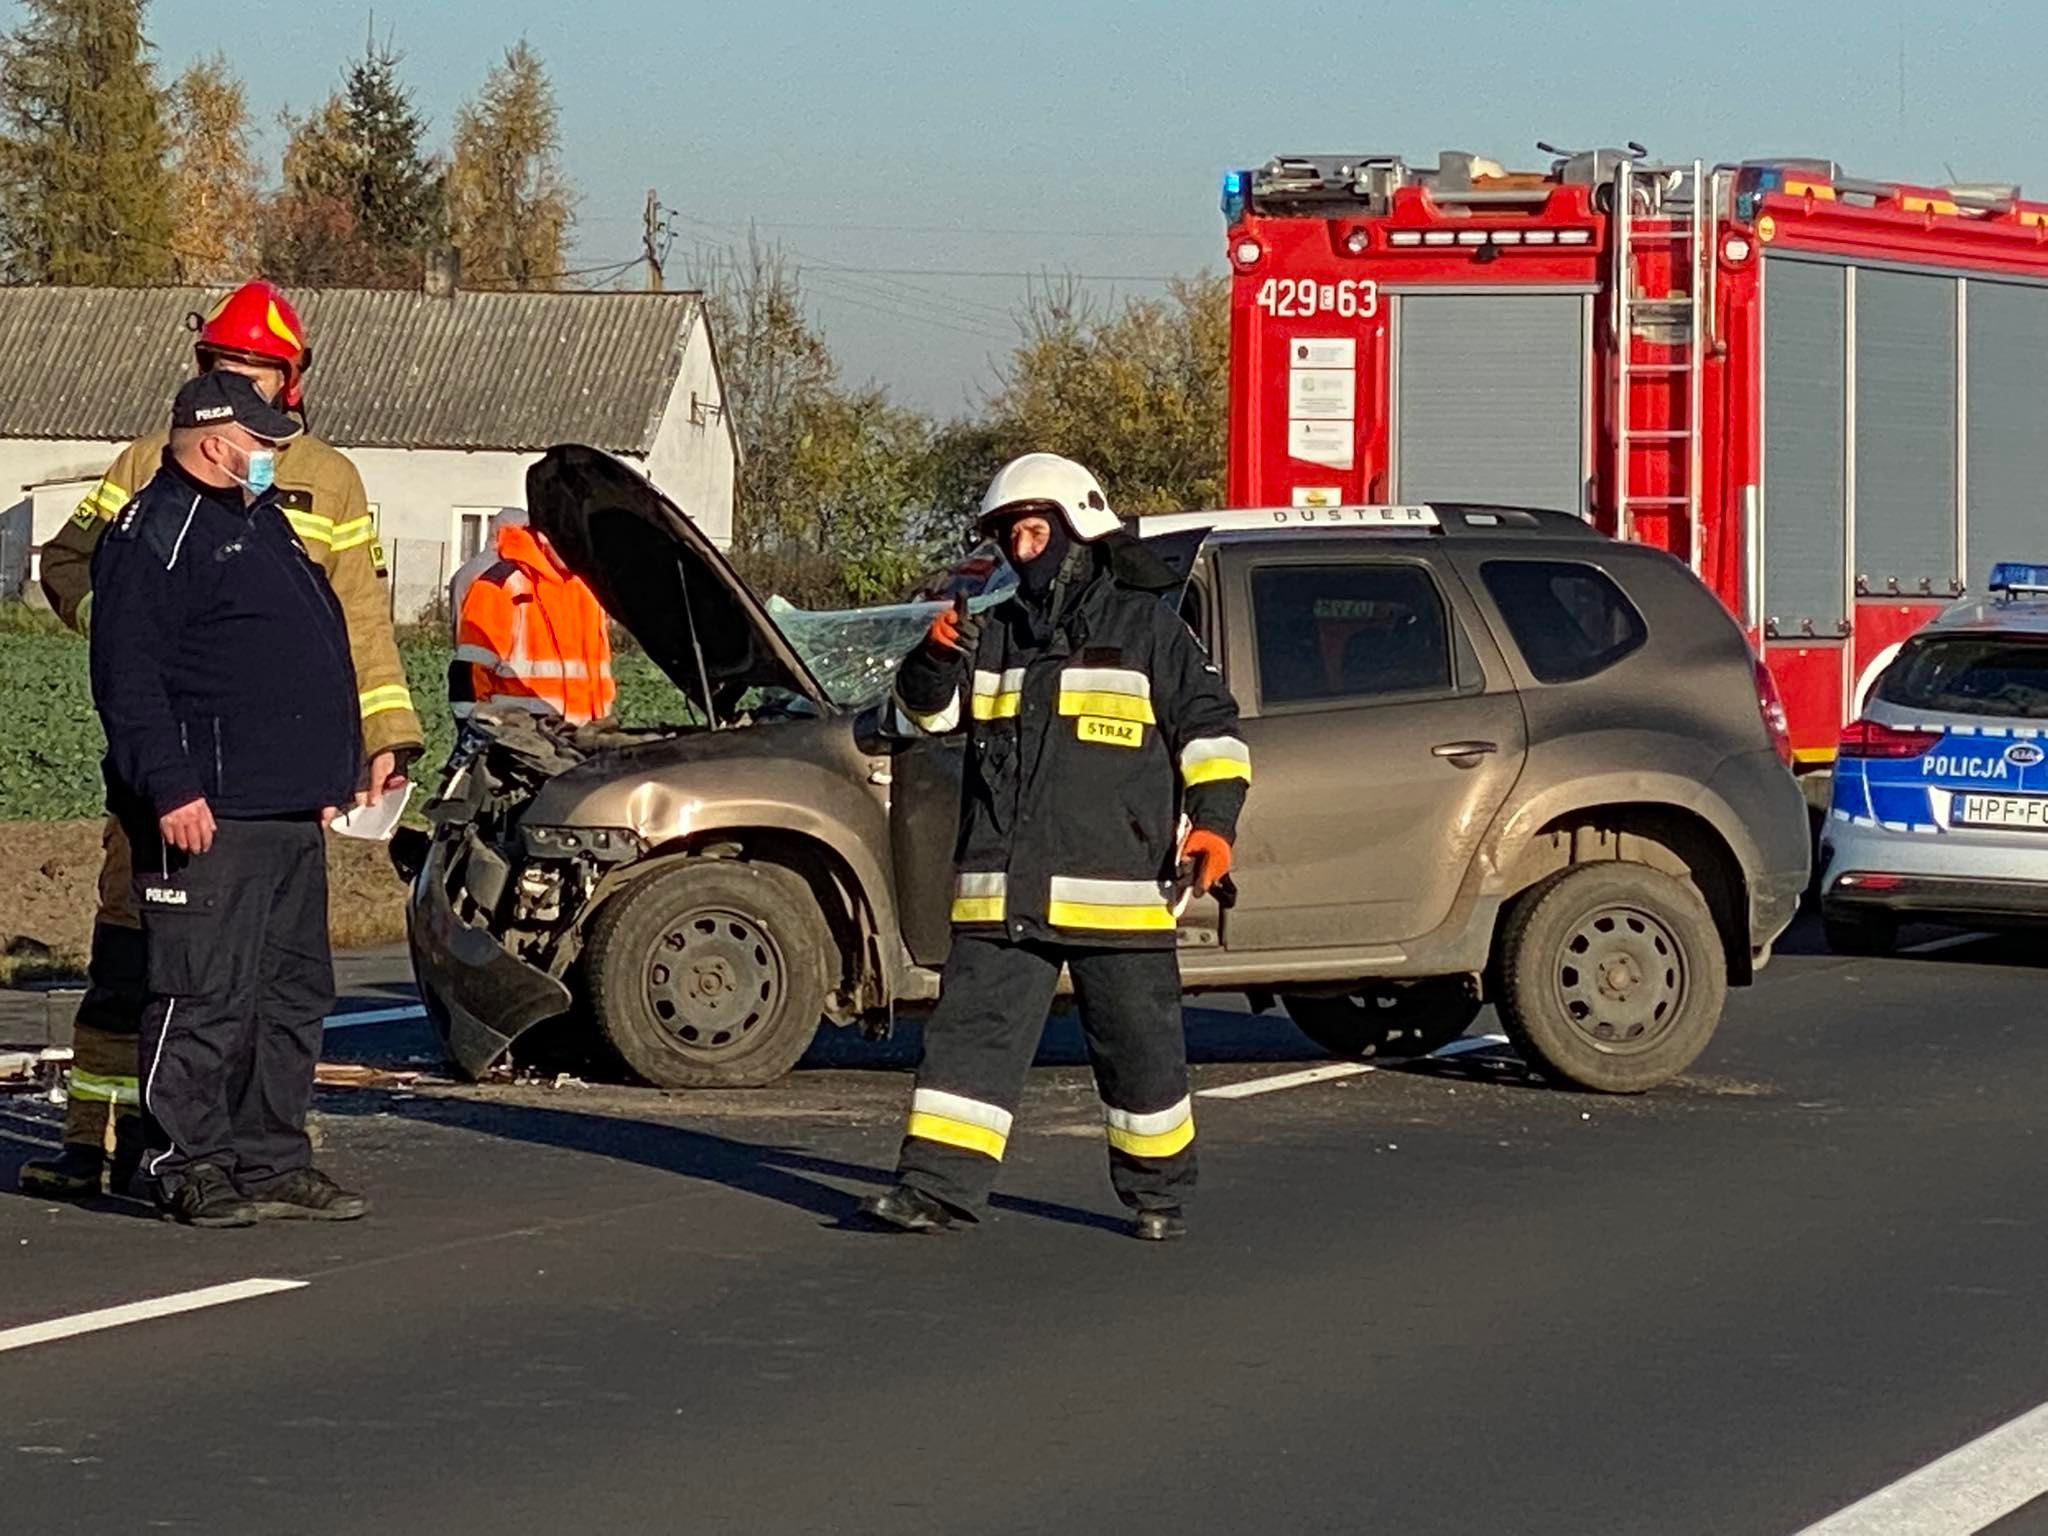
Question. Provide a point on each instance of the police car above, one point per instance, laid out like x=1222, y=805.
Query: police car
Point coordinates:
x=1940, y=801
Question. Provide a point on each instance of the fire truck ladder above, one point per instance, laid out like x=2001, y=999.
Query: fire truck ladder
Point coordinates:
x=1660, y=208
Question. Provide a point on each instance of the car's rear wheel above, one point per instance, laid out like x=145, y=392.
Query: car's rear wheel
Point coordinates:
x=1386, y=1021
x=711, y=975
x=1860, y=933
x=1613, y=976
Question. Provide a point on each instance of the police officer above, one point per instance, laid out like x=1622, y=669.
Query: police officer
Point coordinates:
x=222, y=674
x=253, y=331
x=1103, y=779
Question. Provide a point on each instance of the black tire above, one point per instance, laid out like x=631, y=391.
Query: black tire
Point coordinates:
x=1386, y=1021
x=1860, y=933
x=1613, y=976
x=744, y=1011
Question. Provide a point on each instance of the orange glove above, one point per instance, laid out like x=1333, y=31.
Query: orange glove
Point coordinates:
x=954, y=632
x=1211, y=855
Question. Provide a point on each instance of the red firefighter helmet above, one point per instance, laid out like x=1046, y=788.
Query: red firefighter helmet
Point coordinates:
x=257, y=323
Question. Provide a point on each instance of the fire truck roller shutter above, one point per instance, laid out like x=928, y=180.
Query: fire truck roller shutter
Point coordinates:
x=1805, y=446
x=2007, y=370
x=1491, y=399
x=1905, y=528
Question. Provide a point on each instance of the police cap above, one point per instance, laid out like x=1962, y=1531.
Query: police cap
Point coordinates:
x=219, y=396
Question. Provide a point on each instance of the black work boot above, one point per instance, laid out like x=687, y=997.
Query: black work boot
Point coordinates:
x=207, y=1197
x=73, y=1174
x=1159, y=1226
x=308, y=1195
x=909, y=1210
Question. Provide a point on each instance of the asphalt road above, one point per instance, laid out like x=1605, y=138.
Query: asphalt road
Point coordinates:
x=1436, y=1299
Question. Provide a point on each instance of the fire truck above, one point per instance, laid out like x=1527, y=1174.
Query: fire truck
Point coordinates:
x=1828, y=396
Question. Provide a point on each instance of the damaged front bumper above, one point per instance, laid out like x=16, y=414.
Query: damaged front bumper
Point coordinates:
x=479, y=996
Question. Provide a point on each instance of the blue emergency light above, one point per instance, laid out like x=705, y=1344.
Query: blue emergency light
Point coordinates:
x=2016, y=576
x=1236, y=195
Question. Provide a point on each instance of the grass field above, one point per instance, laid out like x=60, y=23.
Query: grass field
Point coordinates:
x=51, y=802
x=51, y=744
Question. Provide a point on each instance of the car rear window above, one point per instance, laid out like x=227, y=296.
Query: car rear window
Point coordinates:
x=1970, y=675
x=1570, y=621
x=1344, y=632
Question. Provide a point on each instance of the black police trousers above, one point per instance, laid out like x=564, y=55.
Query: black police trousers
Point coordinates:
x=979, y=1043
x=240, y=981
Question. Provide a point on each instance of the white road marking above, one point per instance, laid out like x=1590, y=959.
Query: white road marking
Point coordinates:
x=141, y=1311
x=374, y=1016
x=1953, y=941
x=1964, y=1491
x=1302, y=1079
x=1467, y=1045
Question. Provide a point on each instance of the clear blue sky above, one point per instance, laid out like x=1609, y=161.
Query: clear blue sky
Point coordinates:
x=936, y=134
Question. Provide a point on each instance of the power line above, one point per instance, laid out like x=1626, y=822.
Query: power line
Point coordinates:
x=898, y=292
x=925, y=312
x=950, y=229
x=1084, y=277
x=915, y=318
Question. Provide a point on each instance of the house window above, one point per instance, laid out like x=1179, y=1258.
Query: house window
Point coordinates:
x=472, y=530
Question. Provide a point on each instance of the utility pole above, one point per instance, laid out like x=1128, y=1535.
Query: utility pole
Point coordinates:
x=656, y=236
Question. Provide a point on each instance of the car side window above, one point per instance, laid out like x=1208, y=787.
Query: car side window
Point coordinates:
x=1569, y=620
x=1348, y=633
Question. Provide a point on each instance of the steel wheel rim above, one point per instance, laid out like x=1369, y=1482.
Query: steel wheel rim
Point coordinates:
x=714, y=979
x=1620, y=979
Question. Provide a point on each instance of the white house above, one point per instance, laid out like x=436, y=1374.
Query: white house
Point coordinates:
x=442, y=400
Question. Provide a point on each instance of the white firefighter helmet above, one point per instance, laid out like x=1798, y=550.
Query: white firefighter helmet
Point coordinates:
x=1047, y=481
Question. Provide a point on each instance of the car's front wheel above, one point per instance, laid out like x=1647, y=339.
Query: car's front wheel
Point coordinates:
x=711, y=975
x=1613, y=976
x=1386, y=1021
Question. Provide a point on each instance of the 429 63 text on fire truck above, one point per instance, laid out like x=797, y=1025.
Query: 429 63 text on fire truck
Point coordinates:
x=1828, y=396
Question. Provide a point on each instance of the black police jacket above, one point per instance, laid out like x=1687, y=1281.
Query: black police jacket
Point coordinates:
x=220, y=660
x=1089, y=736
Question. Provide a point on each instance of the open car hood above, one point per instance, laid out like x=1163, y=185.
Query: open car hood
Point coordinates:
x=655, y=572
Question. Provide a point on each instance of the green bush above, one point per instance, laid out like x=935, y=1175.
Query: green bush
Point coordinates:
x=51, y=743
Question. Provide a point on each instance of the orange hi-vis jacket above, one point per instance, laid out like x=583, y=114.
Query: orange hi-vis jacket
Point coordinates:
x=531, y=635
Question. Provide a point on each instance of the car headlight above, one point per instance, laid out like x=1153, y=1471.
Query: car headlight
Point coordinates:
x=606, y=844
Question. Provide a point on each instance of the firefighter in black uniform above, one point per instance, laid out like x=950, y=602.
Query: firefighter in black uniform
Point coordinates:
x=221, y=671
x=1103, y=780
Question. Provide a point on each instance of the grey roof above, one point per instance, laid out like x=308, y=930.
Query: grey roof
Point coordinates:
x=393, y=368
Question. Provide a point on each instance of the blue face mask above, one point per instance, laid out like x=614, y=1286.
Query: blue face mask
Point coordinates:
x=261, y=474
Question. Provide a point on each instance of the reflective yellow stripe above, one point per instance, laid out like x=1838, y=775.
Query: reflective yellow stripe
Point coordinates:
x=1000, y=706
x=1813, y=755
x=352, y=535
x=1108, y=706
x=1109, y=906
x=959, y=1121
x=958, y=1133
x=1213, y=758
x=109, y=498
x=998, y=696
x=1155, y=1135
x=311, y=525
x=1081, y=914
x=101, y=1088
x=376, y=701
x=980, y=896
x=1165, y=1144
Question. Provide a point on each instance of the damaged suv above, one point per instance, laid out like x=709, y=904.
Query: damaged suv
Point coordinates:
x=1499, y=757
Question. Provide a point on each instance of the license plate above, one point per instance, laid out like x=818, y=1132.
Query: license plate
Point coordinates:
x=2027, y=813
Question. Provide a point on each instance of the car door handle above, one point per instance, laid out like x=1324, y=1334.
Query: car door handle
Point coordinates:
x=1464, y=749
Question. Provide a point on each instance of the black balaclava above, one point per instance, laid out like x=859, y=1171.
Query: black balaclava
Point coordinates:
x=1036, y=576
